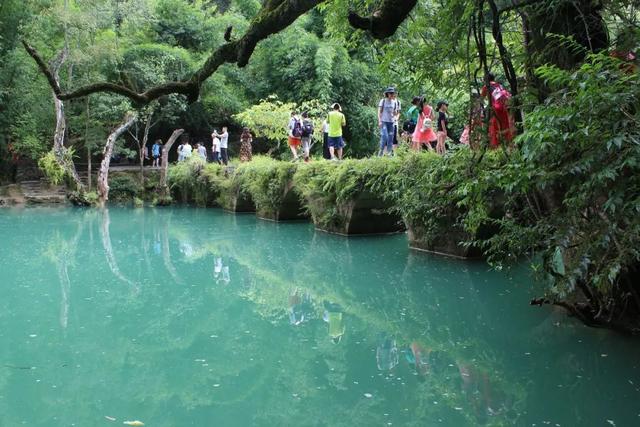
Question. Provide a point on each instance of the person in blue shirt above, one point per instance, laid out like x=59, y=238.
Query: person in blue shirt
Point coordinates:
x=156, y=153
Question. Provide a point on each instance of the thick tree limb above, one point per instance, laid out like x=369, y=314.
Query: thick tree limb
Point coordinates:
x=384, y=22
x=164, y=166
x=103, y=175
x=274, y=16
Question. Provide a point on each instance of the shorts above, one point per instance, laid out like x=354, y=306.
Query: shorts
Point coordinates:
x=293, y=141
x=336, y=142
x=156, y=156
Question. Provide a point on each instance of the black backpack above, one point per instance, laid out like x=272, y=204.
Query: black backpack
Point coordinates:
x=297, y=129
x=307, y=128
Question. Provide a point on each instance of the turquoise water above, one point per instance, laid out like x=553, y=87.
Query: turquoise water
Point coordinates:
x=190, y=317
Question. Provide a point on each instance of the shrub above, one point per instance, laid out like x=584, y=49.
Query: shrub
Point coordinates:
x=325, y=184
x=51, y=168
x=123, y=188
x=266, y=181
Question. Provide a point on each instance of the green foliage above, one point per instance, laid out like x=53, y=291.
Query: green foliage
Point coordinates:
x=323, y=185
x=270, y=117
x=267, y=181
x=51, y=168
x=576, y=179
x=195, y=181
x=123, y=188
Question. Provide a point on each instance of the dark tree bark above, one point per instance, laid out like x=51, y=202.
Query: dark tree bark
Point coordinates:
x=386, y=20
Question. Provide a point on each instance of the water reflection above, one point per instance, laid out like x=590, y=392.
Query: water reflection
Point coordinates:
x=421, y=330
x=334, y=316
x=300, y=307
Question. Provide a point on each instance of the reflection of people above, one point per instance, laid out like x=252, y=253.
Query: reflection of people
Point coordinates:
x=420, y=358
x=386, y=353
x=225, y=274
x=333, y=316
x=296, y=314
x=476, y=385
x=217, y=267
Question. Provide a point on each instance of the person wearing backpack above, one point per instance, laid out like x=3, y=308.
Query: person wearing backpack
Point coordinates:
x=501, y=126
x=307, y=135
x=423, y=133
x=295, y=134
x=388, y=112
x=411, y=116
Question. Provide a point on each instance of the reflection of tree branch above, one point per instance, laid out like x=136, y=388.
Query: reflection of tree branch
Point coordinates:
x=166, y=256
x=108, y=249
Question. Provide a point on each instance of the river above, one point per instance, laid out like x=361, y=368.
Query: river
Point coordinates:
x=196, y=317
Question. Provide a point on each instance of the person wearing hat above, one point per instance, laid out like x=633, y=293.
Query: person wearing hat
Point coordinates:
x=443, y=106
x=388, y=113
x=336, y=121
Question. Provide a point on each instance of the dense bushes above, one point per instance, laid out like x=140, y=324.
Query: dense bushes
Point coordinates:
x=268, y=182
x=324, y=185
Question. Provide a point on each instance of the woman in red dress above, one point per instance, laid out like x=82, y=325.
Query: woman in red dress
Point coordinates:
x=501, y=125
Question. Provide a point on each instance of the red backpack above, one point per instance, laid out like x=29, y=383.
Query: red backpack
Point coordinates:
x=499, y=96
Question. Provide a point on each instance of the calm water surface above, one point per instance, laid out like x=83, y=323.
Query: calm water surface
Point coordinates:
x=191, y=317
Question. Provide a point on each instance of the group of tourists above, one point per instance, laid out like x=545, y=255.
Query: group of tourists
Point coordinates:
x=423, y=127
x=219, y=148
x=426, y=127
x=300, y=133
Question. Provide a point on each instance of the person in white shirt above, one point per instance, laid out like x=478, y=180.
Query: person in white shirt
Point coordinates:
x=202, y=152
x=224, y=143
x=216, y=149
x=186, y=150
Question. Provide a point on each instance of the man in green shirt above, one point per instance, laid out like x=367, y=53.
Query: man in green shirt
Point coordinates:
x=336, y=122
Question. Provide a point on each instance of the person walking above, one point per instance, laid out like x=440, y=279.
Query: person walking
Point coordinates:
x=325, y=140
x=156, y=153
x=501, y=123
x=336, y=121
x=423, y=133
x=295, y=134
x=245, y=145
x=307, y=135
x=443, y=122
x=388, y=112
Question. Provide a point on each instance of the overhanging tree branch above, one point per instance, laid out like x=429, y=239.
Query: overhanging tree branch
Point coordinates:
x=274, y=16
x=385, y=21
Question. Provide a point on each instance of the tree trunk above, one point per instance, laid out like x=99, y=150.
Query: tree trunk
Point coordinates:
x=59, y=151
x=143, y=147
x=164, y=189
x=103, y=174
x=86, y=144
